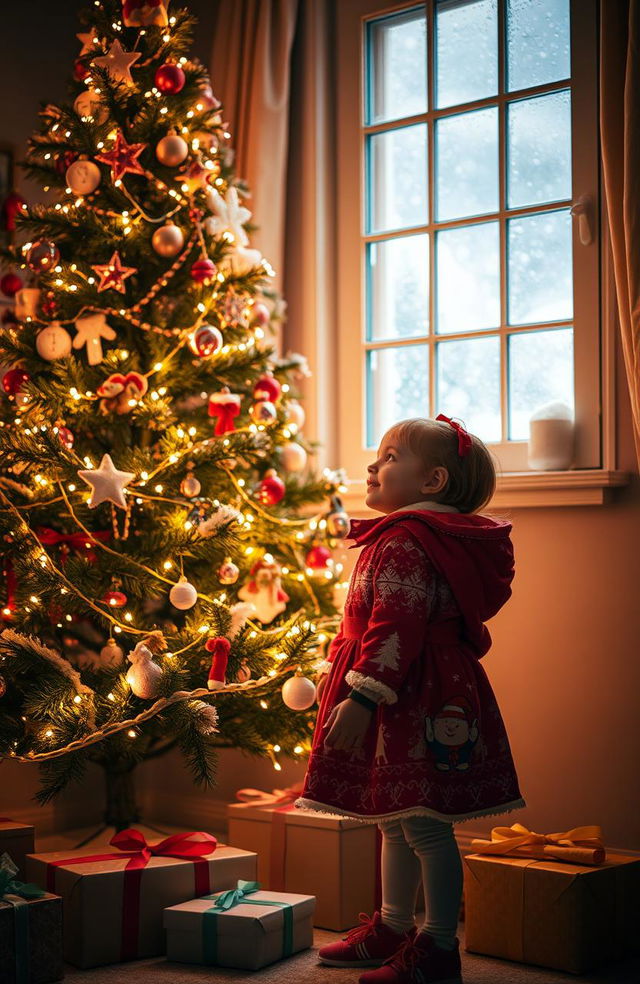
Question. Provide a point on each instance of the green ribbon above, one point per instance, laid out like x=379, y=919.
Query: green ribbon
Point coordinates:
x=238, y=896
x=17, y=894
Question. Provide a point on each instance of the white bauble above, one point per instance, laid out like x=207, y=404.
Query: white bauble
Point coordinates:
x=83, y=177
x=88, y=103
x=172, y=150
x=110, y=655
x=168, y=240
x=183, y=595
x=293, y=457
x=143, y=676
x=299, y=693
x=263, y=412
x=53, y=342
x=295, y=414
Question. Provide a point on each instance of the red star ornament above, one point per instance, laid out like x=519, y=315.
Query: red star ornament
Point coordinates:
x=113, y=274
x=195, y=176
x=123, y=158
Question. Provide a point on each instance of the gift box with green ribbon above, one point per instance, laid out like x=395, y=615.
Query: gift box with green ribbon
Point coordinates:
x=30, y=930
x=244, y=927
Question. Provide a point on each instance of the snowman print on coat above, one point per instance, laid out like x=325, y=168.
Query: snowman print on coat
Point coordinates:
x=452, y=734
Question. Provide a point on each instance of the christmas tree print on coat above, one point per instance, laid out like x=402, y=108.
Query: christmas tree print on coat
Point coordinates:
x=452, y=734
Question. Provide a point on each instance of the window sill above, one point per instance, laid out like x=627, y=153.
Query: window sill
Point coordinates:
x=516, y=490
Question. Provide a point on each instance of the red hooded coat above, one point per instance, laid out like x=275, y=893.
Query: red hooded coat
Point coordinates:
x=411, y=637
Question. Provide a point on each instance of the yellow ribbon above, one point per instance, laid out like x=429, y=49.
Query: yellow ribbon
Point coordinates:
x=260, y=797
x=580, y=845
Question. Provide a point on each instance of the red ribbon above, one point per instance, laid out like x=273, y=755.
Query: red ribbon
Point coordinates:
x=225, y=412
x=76, y=541
x=132, y=843
x=464, y=439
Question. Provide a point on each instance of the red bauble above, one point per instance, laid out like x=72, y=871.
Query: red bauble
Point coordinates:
x=204, y=271
x=14, y=380
x=80, y=70
x=42, y=256
x=271, y=489
x=49, y=305
x=65, y=436
x=267, y=388
x=206, y=341
x=11, y=208
x=261, y=314
x=115, y=599
x=317, y=557
x=10, y=284
x=169, y=78
x=63, y=161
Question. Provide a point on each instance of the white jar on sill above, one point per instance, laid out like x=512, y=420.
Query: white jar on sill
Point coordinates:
x=551, y=437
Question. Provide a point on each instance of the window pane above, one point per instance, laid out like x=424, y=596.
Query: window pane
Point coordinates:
x=540, y=370
x=538, y=42
x=467, y=164
x=468, y=384
x=466, y=51
x=397, y=66
x=397, y=178
x=397, y=387
x=398, y=288
x=539, y=149
x=467, y=278
x=540, y=278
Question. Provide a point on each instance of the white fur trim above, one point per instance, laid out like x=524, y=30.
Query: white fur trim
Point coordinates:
x=419, y=811
x=324, y=666
x=366, y=683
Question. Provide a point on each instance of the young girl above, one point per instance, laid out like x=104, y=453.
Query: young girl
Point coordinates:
x=408, y=733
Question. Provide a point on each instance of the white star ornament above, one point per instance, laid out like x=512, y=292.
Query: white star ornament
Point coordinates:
x=107, y=483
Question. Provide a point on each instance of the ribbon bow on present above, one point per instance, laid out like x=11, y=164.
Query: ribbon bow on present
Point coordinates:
x=259, y=797
x=11, y=886
x=237, y=896
x=580, y=845
x=195, y=844
x=18, y=894
x=234, y=896
x=464, y=439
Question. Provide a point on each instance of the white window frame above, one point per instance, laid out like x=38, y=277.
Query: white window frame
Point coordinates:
x=594, y=473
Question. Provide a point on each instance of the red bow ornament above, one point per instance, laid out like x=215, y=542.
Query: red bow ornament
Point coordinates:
x=464, y=439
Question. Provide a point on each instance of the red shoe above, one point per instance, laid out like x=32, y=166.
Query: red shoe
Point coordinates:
x=418, y=961
x=367, y=945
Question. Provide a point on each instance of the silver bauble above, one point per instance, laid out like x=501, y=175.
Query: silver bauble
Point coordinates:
x=183, y=595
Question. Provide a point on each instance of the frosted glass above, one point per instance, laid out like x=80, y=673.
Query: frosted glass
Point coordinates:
x=466, y=51
x=467, y=278
x=539, y=149
x=539, y=263
x=397, y=66
x=398, y=288
x=468, y=384
x=467, y=164
x=540, y=370
x=397, y=387
x=538, y=42
x=397, y=178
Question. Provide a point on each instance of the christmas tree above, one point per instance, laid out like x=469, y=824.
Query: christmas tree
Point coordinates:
x=168, y=581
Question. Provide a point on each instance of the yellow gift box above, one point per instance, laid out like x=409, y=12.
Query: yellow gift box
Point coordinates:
x=523, y=903
x=331, y=857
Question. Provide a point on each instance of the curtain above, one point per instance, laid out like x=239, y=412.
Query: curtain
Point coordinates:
x=620, y=136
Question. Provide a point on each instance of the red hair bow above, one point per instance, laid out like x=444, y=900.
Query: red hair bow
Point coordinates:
x=464, y=439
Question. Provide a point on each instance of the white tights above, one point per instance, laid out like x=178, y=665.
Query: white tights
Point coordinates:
x=414, y=848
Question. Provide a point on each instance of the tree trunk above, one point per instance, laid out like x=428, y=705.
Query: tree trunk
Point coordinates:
x=122, y=810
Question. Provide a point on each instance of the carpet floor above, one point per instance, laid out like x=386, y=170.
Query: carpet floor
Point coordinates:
x=305, y=967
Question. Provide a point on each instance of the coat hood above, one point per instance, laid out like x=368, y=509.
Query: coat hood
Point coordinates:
x=474, y=553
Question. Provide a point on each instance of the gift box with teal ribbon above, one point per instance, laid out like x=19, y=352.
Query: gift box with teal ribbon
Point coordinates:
x=30, y=930
x=244, y=927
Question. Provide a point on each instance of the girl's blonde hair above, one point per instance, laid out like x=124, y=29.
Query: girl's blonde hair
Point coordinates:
x=472, y=478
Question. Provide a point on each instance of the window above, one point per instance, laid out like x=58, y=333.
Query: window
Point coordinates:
x=468, y=203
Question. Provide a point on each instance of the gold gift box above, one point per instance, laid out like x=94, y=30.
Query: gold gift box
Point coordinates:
x=570, y=917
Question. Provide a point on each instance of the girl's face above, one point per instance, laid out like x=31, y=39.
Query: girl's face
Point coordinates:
x=398, y=477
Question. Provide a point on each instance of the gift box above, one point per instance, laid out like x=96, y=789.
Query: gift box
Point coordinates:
x=16, y=840
x=113, y=902
x=30, y=931
x=562, y=914
x=245, y=928
x=331, y=857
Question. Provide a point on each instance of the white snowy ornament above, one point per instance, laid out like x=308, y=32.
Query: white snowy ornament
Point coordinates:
x=110, y=655
x=183, y=595
x=228, y=215
x=107, y=483
x=83, y=177
x=89, y=104
x=263, y=589
x=53, y=342
x=299, y=692
x=91, y=329
x=293, y=457
x=143, y=675
x=239, y=261
x=207, y=717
